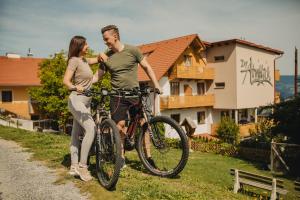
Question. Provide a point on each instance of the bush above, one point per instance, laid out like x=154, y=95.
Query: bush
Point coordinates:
x=228, y=131
x=216, y=147
x=286, y=116
x=261, y=135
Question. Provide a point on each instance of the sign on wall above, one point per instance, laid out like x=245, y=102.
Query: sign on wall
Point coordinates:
x=258, y=73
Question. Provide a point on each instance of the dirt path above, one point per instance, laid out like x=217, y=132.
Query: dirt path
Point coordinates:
x=23, y=179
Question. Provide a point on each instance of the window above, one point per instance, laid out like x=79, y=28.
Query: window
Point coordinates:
x=243, y=116
x=225, y=114
x=220, y=85
x=187, y=60
x=6, y=96
x=174, y=88
x=201, y=88
x=201, y=117
x=176, y=117
x=219, y=58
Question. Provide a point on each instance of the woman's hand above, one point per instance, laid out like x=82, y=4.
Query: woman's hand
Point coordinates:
x=79, y=88
x=102, y=57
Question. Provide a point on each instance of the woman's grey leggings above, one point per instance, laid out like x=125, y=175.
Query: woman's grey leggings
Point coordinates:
x=83, y=124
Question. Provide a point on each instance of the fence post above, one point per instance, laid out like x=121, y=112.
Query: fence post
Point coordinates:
x=273, y=194
x=236, y=181
x=272, y=156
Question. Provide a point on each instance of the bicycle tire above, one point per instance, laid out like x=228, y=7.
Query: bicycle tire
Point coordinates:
x=108, y=152
x=182, y=147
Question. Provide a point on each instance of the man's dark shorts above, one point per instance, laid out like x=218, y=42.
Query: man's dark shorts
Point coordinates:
x=120, y=105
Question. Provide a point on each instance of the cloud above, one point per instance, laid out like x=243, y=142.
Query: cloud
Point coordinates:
x=47, y=26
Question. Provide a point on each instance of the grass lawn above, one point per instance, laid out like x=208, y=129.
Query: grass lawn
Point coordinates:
x=206, y=175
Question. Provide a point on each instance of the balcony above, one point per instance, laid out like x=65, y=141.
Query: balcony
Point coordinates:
x=277, y=75
x=193, y=72
x=173, y=102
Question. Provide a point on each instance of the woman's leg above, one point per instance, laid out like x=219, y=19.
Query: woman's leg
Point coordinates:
x=74, y=147
x=80, y=109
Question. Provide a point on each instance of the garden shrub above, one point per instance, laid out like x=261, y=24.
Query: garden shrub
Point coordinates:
x=228, y=131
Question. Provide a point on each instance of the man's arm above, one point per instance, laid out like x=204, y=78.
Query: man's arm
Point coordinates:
x=149, y=71
x=98, y=75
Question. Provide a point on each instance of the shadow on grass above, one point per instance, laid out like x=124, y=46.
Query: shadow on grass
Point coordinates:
x=138, y=166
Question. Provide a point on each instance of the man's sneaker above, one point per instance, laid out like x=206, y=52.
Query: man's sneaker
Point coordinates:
x=123, y=164
x=83, y=173
x=151, y=162
x=72, y=171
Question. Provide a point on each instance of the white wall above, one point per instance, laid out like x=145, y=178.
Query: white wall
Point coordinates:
x=224, y=72
x=192, y=113
x=251, y=93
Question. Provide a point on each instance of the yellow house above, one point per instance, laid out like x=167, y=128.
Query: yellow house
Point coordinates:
x=16, y=76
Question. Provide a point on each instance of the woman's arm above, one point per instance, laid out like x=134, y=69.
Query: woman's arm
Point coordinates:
x=92, y=61
x=100, y=58
x=67, y=81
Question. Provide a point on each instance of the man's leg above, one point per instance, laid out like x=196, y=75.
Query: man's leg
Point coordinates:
x=122, y=129
x=146, y=141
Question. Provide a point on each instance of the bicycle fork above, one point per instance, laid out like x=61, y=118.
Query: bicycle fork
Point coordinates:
x=156, y=142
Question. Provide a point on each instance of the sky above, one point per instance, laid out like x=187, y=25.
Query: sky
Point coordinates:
x=47, y=26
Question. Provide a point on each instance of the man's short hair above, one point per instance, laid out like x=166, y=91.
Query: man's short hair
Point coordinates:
x=111, y=27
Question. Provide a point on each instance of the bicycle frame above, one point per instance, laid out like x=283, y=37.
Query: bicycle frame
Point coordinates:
x=143, y=113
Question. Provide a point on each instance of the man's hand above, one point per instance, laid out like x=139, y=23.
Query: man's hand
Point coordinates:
x=158, y=90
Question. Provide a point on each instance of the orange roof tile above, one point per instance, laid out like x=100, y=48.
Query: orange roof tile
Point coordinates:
x=19, y=71
x=163, y=54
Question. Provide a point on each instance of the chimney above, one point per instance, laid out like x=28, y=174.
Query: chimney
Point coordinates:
x=29, y=54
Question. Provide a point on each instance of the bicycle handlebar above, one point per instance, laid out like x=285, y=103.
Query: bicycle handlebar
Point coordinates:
x=123, y=92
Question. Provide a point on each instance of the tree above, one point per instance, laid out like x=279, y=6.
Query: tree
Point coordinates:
x=286, y=116
x=52, y=95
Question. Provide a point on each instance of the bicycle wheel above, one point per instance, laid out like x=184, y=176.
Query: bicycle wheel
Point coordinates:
x=108, y=154
x=168, y=147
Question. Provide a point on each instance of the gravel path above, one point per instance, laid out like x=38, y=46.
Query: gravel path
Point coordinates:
x=23, y=179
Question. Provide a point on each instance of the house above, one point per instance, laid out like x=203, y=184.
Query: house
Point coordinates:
x=16, y=76
x=200, y=80
x=205, y=81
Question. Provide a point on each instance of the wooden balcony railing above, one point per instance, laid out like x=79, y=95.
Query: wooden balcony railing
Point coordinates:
x=192, y=72
x=172, y=102
x=244, y=129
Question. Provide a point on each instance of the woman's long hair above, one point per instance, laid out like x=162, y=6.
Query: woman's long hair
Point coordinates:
x=76, y=45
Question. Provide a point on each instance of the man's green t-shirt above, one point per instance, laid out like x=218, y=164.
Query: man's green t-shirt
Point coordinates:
x=123, y=67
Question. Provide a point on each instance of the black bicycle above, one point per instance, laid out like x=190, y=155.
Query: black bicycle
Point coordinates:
x=161, y=143
x=107, y=143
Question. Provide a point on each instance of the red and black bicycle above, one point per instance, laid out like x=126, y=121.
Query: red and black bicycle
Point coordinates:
x=161, y=143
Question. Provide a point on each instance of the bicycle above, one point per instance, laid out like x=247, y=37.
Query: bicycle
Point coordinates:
x=107, y=142
x=168, y=142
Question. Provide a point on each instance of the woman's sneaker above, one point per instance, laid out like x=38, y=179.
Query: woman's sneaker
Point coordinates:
x=83, y=173
x=72, y=171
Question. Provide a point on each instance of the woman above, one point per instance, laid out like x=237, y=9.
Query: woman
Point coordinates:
x=79, y=77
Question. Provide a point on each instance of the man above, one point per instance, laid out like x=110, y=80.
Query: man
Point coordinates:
x=122, y=60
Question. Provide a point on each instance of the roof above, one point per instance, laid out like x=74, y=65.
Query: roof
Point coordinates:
x=244, y=42
x=163, y=54
x=19, y=71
